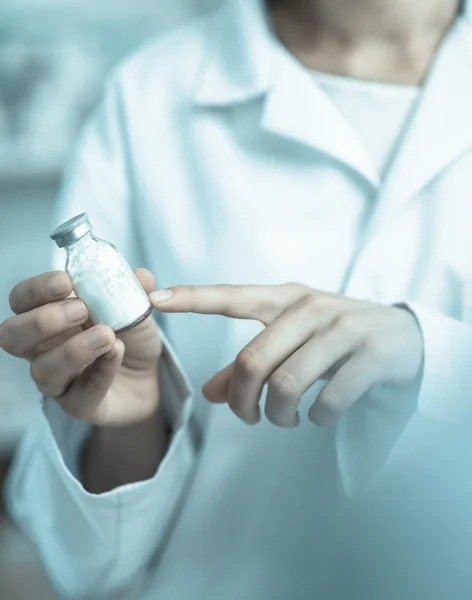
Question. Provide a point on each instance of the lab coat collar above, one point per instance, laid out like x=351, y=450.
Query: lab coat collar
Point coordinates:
x=239, y=58
x=240, y=61
x=440, y=130
x=299, y=110
x=245, y=61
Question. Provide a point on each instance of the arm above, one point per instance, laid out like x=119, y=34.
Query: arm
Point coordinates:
x=98, y=180
x=93, y=545
x=99, y=543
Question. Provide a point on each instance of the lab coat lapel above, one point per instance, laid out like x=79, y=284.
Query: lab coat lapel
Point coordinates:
x=298, y=110
x=237, y=62
x=245, y=62
x=440, y=130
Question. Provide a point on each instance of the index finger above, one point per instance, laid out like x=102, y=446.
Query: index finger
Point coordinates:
x=42, y=289
x=259, y=302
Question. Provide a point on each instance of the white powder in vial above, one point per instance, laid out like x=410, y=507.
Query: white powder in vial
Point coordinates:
x=107, y=285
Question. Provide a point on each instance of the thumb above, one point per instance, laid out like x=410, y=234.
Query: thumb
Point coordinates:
x=216, y=390
x=146, y=279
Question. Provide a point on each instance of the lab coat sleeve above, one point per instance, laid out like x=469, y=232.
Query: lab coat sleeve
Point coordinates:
x=92, y=545
x=390, y=432
x=96, y=544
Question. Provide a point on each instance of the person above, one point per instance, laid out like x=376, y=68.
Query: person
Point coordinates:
x=296, y=176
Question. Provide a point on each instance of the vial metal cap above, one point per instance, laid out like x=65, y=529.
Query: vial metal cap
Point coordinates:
x=71, y=231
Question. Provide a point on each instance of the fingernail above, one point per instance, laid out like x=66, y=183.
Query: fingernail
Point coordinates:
x=75, y=310
x=97, y=338
x=58, y=285
x=161, y=296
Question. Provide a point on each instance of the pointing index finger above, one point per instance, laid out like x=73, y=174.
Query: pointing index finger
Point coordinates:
x=259, y=302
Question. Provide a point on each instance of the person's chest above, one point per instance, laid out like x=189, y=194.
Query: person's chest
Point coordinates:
x=238, y=206
x=235, y=204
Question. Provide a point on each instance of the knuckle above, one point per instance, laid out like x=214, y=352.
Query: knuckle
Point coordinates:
x=44, y=347
x=249, y=362
x=45, y=321
x=314, y=302
x=351, y=326
x=56, y=341
x=38, y=374
x=311, y=301
x=284, y=383
x=71, y=351
x=377, y=351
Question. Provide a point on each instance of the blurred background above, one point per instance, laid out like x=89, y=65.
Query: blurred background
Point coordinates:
x=53, y=58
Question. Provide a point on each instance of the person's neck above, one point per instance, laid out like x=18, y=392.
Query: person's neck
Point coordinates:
x=368, y=39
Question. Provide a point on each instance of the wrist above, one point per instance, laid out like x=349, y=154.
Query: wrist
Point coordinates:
x=116, y=456
x=140, y=433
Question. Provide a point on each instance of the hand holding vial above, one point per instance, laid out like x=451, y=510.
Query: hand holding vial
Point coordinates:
x=97, y=355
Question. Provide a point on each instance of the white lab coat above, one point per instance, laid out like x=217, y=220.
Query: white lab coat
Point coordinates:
x=216, y=158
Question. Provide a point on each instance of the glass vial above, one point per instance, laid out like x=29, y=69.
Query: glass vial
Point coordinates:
x=101, y=277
